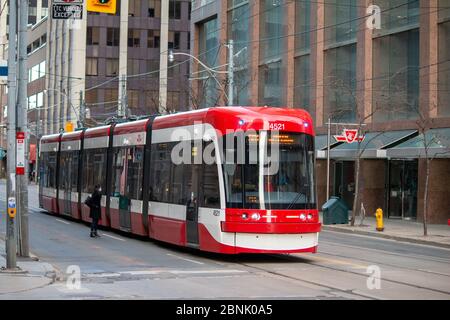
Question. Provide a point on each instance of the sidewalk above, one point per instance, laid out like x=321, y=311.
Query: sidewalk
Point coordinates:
x=401, y=230
x=31, y=274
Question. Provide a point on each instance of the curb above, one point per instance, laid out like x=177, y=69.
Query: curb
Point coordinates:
x=387, y=236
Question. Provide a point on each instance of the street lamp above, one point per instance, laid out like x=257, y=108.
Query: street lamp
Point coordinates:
x=79, y=122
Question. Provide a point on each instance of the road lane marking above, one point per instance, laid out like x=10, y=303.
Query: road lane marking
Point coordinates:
x=207, y=271
x=185, y=259
x=112, y=237
x=62, y=221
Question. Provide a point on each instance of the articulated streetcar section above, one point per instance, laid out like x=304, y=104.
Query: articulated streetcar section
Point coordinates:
x=225, y=180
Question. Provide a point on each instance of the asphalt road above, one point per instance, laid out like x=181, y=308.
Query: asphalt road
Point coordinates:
x=117, y=266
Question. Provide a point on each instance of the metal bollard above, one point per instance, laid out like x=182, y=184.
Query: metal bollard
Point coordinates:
x=379, y=218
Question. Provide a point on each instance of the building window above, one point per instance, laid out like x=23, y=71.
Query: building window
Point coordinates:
x=112, y=67
x=152, y=99
x=133, y=66
x=174, y=40
x=208, y=48
x=398, y=13
x=91, y=66
x=113, y=37
x=133, y=98
x=134, y=8
x=339, y=80
x=340, y=17
x=173, y=100
x=154, y=8
x=91, y=96
x=396, y=77
x=444, y=10
x=153, y=39
x=302, y=83
x=238, y=27
x=111, y=95
x=153, y=67
x=272, y=28
x=174, y=9
x=93, y=36
x=443, y=85
x=271, y=90
x=134, y=38
x=302, y=25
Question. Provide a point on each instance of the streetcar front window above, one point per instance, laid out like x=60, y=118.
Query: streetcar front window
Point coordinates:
x=276, y=172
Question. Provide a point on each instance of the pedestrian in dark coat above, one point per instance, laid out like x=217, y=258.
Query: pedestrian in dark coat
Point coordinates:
x=95, y=212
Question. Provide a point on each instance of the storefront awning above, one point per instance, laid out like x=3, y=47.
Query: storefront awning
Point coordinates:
x=320, y=143
x=374, y=146
x=437, y=140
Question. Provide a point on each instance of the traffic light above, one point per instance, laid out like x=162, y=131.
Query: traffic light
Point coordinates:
x=105, y=6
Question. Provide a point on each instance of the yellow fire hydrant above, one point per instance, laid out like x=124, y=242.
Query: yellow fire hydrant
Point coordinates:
x=379, y=218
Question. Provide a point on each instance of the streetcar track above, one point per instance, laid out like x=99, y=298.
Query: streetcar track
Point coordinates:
x=329, y=287
x=420, y=257
x=362, y=275
x=386, y=264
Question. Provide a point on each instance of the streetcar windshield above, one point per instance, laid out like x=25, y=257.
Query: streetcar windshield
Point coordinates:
x=276, y=171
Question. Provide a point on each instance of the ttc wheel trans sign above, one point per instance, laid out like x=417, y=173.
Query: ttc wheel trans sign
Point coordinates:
x=67, y=9
x=20, y=153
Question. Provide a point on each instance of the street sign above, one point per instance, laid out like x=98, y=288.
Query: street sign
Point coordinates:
x=349, y=136
x=3, y=70
x=20, y=153
x=67, y=11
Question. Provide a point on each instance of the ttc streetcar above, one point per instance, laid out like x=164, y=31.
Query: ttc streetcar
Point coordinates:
x=232, y=204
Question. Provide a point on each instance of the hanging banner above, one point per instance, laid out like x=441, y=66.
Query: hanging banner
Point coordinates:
x=20, y=153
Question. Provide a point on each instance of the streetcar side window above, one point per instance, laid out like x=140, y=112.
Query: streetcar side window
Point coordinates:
x=128, y=169
x=211, y=196
x=68, y=171
x=94, y=170
x=48, y=173
x=160, y=172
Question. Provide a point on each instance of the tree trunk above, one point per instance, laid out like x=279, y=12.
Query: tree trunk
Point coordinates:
x=425, y=197
x=356, y=197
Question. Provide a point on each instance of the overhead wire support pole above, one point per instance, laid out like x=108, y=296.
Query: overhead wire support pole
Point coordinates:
x=22, y=126
x=11, y=246
x=230, y=72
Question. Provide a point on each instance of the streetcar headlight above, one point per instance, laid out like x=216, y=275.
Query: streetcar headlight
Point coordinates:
x=303, y=217
x=244, y=216
x=255, y=216
x=310, y=216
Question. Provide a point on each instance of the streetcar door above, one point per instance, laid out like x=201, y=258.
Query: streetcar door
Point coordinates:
x=192, y=207
x=64, y=181
x=121, y=167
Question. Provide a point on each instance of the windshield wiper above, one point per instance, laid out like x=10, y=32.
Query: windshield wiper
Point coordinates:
x=294, y=201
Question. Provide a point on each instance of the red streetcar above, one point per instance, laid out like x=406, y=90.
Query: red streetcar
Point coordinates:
x=225, y=179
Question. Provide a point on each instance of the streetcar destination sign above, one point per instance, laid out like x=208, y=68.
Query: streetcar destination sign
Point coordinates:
x=67, y=11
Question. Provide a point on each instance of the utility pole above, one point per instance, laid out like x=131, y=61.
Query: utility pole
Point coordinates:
x=11, y=247
x=82, y=112
x=123, y=105
x=22, y=126
x=328, y=157
x=230, y=72
x=163, y=48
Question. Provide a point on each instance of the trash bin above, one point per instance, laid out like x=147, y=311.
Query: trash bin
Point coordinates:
x=335, y=211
